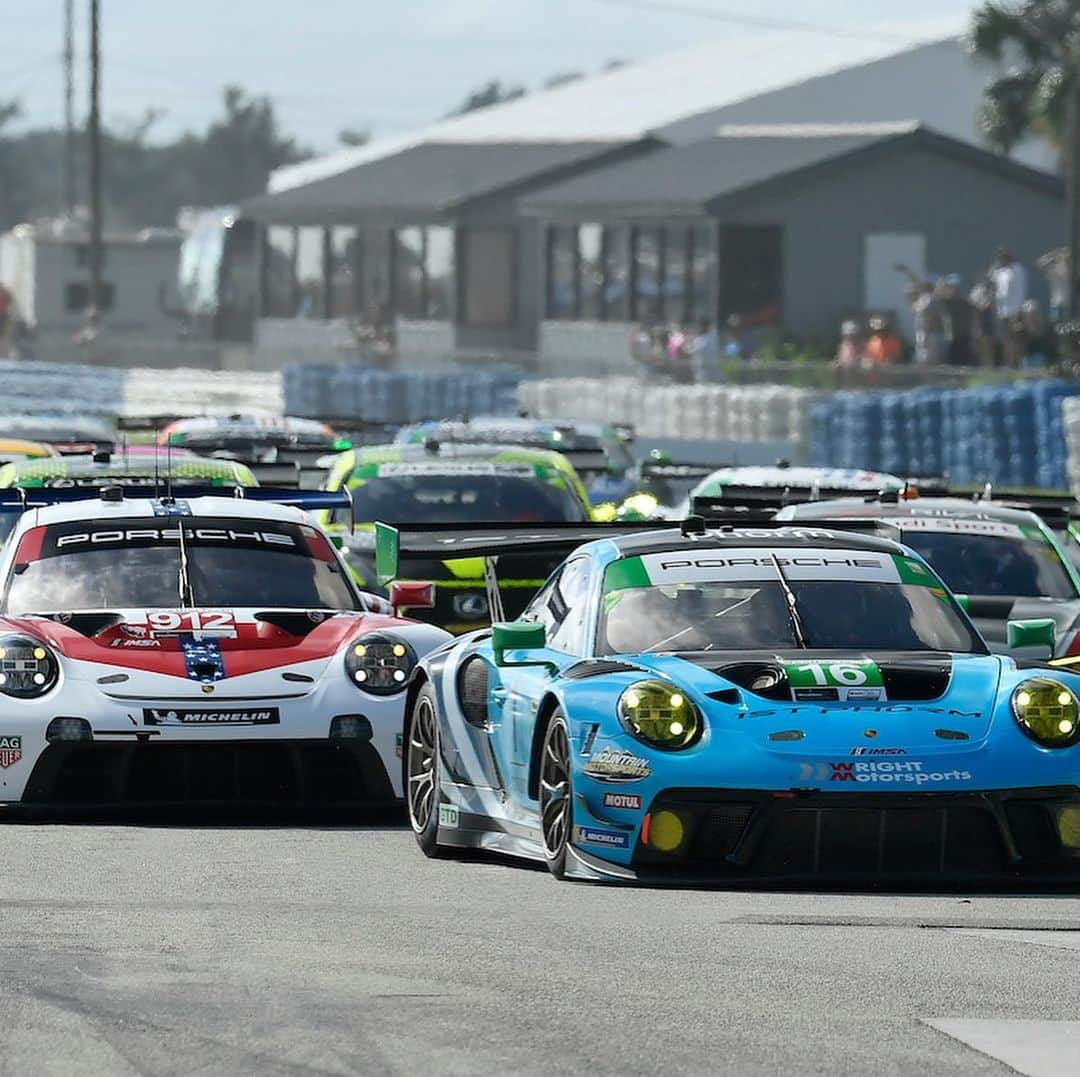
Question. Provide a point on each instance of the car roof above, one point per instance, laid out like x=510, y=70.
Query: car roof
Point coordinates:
x=450, y=451
x=245, y=423
x=793, y=536
x=96, y=509
x=949, y=508
x=515, y=424
x=141, y=465
x=779, y=476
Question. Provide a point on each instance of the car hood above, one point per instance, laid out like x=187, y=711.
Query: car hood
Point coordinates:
x=198, y=644
x=932, y=700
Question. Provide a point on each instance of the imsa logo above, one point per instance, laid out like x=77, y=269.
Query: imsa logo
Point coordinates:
x=10, y=751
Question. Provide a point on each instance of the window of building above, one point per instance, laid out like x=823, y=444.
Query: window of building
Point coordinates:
x=488, y=277
x=617, y=274
x=409, y=300
x=752, y=274
x=77, y=296
x=562, y=276
x=676, y=248
x=342, y=293
x=377, y=276
x=701, y=283
x=279, y=273
x=591, y=272
x=439, y=273
x=311, y=259
x=648, y=274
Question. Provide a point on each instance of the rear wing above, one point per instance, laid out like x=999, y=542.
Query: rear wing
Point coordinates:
x=17, y=500
x=771, y=497
x=552, y=543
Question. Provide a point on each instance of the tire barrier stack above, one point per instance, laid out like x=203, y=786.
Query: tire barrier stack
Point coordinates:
x=85, y=390
x=1010, y=435
x=750, y=413
x=366, y=394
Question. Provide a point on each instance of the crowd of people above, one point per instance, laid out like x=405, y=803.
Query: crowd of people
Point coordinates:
x=995, y=323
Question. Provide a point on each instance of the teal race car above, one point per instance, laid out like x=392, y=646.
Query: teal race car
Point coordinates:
x=789, y=704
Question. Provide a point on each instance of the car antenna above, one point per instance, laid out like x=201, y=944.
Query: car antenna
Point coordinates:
x=157, y=458
x=168, y=475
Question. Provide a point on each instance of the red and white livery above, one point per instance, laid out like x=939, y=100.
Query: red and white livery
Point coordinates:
x=205, y=650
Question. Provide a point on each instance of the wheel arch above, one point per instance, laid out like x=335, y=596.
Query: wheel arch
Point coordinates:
x=548, y=706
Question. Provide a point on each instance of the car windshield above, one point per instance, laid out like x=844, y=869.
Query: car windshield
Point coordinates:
x=734, y=600
x=451, y=499
x=995, y=565
x=136, y=563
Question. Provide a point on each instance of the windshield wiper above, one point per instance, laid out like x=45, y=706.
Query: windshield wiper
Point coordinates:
x=187, y=595
x=792, y=604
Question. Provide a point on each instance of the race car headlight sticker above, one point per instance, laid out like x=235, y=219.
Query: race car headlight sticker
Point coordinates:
x=380, y=663
x=1047, y=711
x=660, y=715
x=28, y=668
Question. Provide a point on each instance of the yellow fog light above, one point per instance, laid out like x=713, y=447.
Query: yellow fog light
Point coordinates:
x=1068, y=825
x=666, y=832
x=659, y=715
x=1048, y=712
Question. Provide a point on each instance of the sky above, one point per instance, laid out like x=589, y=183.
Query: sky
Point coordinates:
x=384, y=65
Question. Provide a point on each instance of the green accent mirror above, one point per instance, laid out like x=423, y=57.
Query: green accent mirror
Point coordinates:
x=1041, y=632
x=517, y=636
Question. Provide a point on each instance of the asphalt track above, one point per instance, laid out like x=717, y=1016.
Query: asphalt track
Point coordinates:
x=299, y=948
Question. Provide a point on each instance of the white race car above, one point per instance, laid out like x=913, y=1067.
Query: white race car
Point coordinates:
x=203, y=650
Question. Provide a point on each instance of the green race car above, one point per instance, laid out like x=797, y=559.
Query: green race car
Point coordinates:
x=446, y=484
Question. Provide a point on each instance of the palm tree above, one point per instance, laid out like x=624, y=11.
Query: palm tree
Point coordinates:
x=1040, y=93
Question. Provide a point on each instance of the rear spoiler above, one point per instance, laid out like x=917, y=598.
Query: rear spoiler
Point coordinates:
x=772, y=497
x=17, y=500
x=395, y=546
x=673, y=470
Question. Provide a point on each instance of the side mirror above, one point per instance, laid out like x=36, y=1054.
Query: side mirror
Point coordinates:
x=964, y=602
x=410, y=594
x=1036, y=633
x=337, y=541
x=517, y=636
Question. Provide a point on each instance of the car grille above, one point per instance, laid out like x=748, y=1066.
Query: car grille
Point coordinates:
x=734, y=834
x=277, y=772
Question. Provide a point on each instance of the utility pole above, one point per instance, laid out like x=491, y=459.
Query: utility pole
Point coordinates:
x=95, y=296
x=70, y=195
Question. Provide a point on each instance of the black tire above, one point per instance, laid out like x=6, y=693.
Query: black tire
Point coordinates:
x=556, y=794
x=421, y=773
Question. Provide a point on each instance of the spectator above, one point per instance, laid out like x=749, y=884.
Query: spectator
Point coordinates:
x=1009, y=279
x=883, y=347
x=929, y=323
x=960, y=321
x=850, y=353
x=705, y=354
x=982, y=306
x=1035, y=335
x=1054, y=266
x=735, y=345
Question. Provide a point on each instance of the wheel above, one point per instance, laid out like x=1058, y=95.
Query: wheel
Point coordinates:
x=422, y=773
x=556, y=794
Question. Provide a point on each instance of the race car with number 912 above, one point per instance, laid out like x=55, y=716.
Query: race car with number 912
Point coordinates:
x=741, y=704
x=196, y=649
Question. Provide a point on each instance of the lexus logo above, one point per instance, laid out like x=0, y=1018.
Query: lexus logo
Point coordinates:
x=471, y=606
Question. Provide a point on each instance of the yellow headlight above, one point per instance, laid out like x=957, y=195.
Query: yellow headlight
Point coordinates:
x=666, y=831
x=1047, y=711
x=660, y=715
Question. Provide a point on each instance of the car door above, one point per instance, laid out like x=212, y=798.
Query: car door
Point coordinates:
x=561, y=606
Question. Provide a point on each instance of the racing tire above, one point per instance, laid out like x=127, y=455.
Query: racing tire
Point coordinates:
x=556, y=794
x=421, y=774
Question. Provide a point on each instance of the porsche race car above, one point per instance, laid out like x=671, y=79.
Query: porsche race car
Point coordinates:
x=1004, y=562
x=194, y=650
x=438, y=483
x=723, y=706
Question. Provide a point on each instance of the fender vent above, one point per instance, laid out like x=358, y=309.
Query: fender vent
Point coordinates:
x=598, y=668
x=472, y=686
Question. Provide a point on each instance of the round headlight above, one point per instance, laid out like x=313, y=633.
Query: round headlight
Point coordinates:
x=1047, y=711
x=28, y=668
x=660, y=715
x=380, y=663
